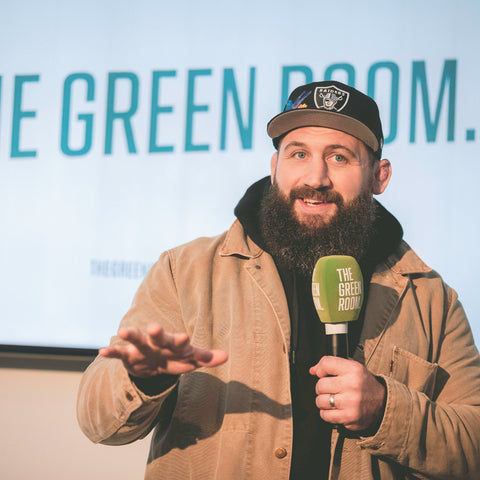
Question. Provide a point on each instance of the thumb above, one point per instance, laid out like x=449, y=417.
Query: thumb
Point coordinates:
x=211, y=358
x=313, y=370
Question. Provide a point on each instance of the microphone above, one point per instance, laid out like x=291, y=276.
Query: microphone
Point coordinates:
x=337, y=290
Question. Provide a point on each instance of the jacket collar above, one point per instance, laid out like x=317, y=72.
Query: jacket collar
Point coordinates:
x=237, y=242
x=404, y=261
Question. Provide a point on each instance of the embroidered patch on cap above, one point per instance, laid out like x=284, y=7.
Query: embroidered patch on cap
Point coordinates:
x=330, y=104
x=294, y=104
x=331, y=98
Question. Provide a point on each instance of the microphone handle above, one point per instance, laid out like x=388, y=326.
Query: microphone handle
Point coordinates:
x=337, y=345
x=337, y=339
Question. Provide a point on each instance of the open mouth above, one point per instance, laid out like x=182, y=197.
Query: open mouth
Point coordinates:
x=313, y=203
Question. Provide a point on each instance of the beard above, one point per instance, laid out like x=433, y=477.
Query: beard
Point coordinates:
x=297, y=245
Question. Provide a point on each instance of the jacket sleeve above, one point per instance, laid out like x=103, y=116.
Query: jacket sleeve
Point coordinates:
x=437, y=436
x=111, y=409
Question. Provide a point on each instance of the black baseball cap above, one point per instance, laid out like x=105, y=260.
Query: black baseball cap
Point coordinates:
x=333, y=105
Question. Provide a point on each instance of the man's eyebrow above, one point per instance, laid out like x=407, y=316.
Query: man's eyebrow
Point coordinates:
x=295, y=144
x=335, y=146
x=342, y=147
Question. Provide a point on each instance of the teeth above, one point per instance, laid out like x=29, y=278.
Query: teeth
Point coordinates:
x=312, y=202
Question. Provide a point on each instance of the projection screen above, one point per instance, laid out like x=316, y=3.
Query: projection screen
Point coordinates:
x=129, y=128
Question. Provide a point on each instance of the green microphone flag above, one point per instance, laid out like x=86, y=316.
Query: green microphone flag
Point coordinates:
x=337, y=290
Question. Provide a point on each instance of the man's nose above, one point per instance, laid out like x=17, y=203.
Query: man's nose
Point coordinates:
x=317, y=175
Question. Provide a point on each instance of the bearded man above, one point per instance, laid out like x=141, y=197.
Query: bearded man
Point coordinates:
x=222, y=354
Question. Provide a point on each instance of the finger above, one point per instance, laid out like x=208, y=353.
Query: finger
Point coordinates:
x=137, y=338
x=172, y=341
x=328, y=385
x=329, y=401
x=130, y=334
x=332, y=416
x=323, y=367
x=105, y=352
x=209, y=358
x=331, y=366
x=113, y=352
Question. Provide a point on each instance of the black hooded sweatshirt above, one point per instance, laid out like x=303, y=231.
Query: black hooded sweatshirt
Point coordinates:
x=311, y=435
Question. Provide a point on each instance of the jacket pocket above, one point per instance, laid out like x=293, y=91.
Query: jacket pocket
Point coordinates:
x=413, y=371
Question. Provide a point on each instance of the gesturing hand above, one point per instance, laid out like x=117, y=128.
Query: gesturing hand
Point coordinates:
x=357, y=395
x=158, y=352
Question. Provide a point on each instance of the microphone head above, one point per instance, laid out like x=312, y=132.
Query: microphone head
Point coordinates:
x=337, y=289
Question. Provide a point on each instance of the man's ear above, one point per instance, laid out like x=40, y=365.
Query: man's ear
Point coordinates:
x=382, y=173
x=273, y=166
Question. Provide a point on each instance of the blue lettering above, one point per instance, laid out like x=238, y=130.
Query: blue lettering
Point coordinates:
x=0, y=103
x=194, y=108
x=87, y=118
x=19, y=114
x=230, y=87
x=419, y=76
x=125, y=116
x=286, y=72
x=470, y=135
x=395, y=74
x=346, y=67
x=156, y=110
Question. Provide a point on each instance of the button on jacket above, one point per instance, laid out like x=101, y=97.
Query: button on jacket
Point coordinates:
x=234, y=421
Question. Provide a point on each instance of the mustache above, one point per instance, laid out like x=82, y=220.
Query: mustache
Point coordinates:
x=329, y=196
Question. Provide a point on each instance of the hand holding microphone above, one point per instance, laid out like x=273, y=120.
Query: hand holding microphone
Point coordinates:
x=347, y=393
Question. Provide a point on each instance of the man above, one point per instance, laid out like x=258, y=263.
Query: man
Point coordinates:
x=223, y=356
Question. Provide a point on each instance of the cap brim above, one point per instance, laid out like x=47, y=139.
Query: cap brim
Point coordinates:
x=287, y=121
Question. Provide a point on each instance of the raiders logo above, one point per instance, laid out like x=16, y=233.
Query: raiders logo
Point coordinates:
x=330, y=98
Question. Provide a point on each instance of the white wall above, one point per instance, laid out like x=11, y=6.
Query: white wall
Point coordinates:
x=40, y=438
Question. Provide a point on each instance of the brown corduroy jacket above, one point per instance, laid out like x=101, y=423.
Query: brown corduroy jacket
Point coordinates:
x=234, y=421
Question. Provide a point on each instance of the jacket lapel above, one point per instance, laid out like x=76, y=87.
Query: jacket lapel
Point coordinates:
x=388, y=286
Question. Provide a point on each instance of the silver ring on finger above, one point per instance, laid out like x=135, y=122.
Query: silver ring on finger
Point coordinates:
x=331, y=400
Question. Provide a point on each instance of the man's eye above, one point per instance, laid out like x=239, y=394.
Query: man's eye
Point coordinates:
x=337, y=158
x=301, y=155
